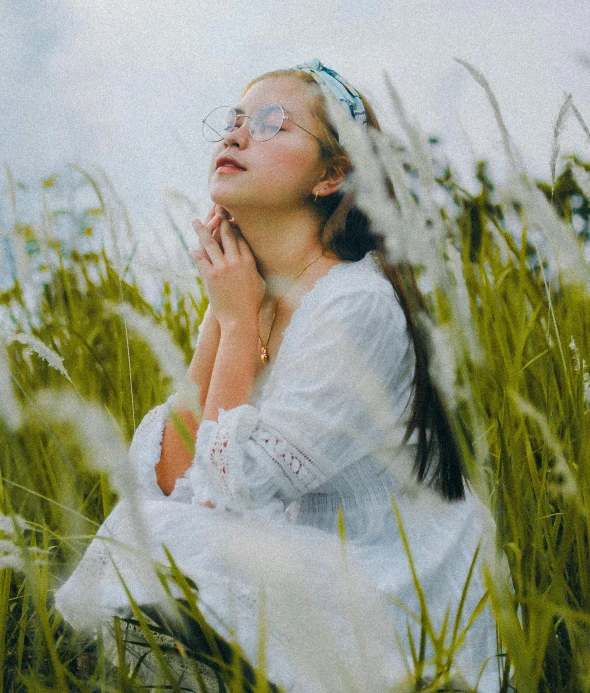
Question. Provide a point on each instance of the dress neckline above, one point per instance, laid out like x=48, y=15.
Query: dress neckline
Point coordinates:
x=266, y=375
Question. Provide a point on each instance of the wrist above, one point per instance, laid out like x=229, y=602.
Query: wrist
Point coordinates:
x=246, y=324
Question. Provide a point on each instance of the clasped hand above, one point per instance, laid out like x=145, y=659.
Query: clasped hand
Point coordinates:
x=227, y=268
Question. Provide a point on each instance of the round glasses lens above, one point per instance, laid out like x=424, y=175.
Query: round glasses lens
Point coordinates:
x=266, y=121
x=218, y=123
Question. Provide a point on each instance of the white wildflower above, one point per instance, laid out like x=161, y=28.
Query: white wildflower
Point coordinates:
x=36, y=346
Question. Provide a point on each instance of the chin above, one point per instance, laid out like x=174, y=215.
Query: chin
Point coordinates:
x=230, y=199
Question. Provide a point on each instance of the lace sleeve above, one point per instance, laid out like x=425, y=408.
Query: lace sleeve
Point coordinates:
x=250, y=462
x=146, y=448
x=338, y=392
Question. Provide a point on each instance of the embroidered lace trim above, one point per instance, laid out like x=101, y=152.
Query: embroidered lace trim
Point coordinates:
x=295, y=469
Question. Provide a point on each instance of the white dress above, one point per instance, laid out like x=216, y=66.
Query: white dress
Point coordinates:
x=323, y=430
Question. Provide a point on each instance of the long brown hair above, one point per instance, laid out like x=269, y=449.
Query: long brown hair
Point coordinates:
x=346, y=231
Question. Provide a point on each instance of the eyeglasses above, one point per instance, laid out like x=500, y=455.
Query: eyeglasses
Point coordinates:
x=264, y=123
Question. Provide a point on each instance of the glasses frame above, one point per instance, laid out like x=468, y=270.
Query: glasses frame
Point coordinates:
x=243, y=115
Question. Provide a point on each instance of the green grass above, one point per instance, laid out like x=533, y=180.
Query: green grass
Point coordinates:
x=518, y=323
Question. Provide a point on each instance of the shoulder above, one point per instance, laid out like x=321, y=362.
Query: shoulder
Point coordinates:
x=353, y=305
x=356, y=291
x=346, y=278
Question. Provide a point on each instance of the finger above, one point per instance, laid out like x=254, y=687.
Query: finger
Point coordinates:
x=209, y=244
x=210, y=226
x=241, y=242
x=222, y=211
x=202, y=264
x=210, y=215
x=228, y=239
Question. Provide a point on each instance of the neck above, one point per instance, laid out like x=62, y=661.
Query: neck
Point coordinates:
x=282, y=243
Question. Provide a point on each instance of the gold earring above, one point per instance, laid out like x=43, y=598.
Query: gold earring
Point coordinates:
x=315, y=199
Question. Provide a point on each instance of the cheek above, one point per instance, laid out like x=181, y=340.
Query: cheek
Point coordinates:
x=295, y=165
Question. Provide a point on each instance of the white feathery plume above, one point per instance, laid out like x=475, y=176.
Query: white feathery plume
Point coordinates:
x=105, y=451
x=457, y=291
x=418, y=142
x=565, y=483
x=169, y=355
x=13, y=554
x=416, y=231
x=371, y=193
x=10, y=556
x=406, y=235
x=540, y=213
x=10, y=409
x=576, y=355
x=98, y=435
x=557, y=130
x=582, y=178
x=36, y=346
x=443, y=366
x=509, y=147
x=581, y=365
x=21, y=257
x=362, y=656
x=580, y=120
x=9, y=523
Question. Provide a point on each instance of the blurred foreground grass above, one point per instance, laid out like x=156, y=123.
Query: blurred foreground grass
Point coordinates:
x=516, y=319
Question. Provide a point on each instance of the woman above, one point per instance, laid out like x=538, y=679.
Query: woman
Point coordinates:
x=317, y=409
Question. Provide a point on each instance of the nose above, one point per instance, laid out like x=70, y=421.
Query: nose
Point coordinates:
x=240, y=134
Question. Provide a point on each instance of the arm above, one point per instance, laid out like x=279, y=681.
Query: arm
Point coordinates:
x=235, y=291
x=176, y=457
x=224, y=363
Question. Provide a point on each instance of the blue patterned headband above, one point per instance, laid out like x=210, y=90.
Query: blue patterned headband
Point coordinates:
x=347, y=95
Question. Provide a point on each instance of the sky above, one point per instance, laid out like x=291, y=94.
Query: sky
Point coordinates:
x=122, y=85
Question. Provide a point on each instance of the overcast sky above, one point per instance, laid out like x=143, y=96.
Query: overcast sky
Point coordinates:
x=123, y=84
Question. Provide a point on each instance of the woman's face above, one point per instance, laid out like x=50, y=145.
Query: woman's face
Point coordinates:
x=277, y=173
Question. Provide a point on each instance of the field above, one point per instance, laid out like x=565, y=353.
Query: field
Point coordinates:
x=89, y=350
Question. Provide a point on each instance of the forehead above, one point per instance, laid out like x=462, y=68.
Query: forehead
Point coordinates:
x=293, y=95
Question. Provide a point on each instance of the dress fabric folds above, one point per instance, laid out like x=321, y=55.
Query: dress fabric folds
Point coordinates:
x=319, y=445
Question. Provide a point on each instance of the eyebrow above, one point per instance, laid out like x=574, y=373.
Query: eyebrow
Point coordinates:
x=240, y=111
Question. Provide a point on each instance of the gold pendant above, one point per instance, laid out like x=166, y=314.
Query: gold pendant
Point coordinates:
x=264, y=355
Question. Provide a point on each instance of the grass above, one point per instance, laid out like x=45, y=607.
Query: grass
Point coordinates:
x=514, y=312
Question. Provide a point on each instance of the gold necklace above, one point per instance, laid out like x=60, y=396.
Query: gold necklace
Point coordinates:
x=264, y=347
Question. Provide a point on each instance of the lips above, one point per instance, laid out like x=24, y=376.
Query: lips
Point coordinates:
x=228, y=162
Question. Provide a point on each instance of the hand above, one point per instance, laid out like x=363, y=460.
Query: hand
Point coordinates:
x=228, y=269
